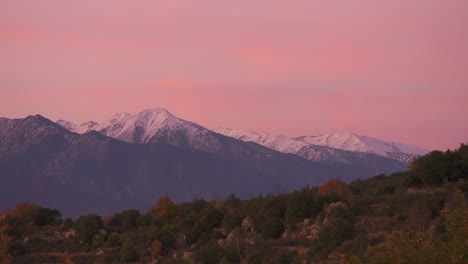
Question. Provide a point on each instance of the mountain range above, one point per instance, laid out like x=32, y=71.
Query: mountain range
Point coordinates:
x=128, y=161
x=336, y=140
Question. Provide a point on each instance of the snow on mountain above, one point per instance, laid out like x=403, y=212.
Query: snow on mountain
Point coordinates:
x=284, y=144
x=279, y=143
x=160, y=126
x=85, y=127
x=353, y=142
x=325, y=154
x=67, y=124
x=330, y=145
x=153, y=126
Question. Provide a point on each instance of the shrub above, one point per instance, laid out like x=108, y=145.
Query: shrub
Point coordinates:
x=129, y=250
x=124, y=221
x=87, y=227
x=210, y=253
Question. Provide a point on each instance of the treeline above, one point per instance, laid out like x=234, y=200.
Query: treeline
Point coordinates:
x=417, y=216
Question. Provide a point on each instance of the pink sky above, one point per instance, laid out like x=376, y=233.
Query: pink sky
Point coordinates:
x=394, y=70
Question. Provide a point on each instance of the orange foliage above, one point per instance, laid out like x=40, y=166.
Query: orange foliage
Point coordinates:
x=4, y=239
x=66, y=258
x=166, y=211
x=106, y=220
x=23, y=209
x=155, y=249
x=333, y=186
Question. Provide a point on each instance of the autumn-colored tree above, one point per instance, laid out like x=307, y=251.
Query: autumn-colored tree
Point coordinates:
x=166, y=211
x=336, y=187
x=23, y=210
x=155, y=249
x=333, y=186
x=5, y=257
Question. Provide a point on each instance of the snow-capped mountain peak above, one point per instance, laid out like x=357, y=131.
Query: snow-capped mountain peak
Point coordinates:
x=337, y=140
x=85, y=127
x=279, y=143
x=158, y=125
x=353, y=142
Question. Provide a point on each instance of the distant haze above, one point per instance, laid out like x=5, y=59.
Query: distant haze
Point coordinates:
x=395, y=70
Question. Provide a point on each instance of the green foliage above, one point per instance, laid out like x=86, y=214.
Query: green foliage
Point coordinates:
x=337, y=228
x=129, y=250
x=15, y=247
x=439, y=167
x=46, y=216
x=210, y=253
x=24, y=215
x=232, y=201
x=114, y=240
x=271, y=216
x=231, y=221
x=167, y=238
x=124, y=221
x=382, y=207
x=386, y=190
x=87, y=227
x=302, y=204
x=378, y=185
x=200, y=219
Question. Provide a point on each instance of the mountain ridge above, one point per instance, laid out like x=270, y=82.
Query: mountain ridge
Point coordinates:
x=42, y=161
x=159, y=125
x=346, y=141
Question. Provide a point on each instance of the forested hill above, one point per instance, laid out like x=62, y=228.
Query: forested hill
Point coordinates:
x=416, y=216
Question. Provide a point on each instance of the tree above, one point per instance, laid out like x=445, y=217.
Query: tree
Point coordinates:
x=300, y=205
x=270, y=220
x=87, y=227
x=129, y=250
x=5, y=257
x=337, y=227
x=210, y=253
x=333, y=186
x=167, y=238
x=438, y=167
x=124, y=221
x=166, y=211
x=155, y=249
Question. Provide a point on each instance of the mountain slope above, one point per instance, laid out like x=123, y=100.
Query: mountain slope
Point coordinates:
x=353, y=142
x=44, y=163
x=279, y=143
x=157, y=126
x=160, y=126
x=335, y=141
x=358, y=162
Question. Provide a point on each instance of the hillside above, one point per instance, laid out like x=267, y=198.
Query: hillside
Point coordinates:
x=417, y=216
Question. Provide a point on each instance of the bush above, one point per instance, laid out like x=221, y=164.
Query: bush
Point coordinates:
x=15, y=248
x=231, y=221
x=210, y=253
x=124, y=221
x=302, y=204
x=87, y=227
x=129, y=250
x=439, y=167
x=167, y=238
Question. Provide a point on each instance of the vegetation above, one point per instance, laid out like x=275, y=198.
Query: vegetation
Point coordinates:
x=417, y=216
